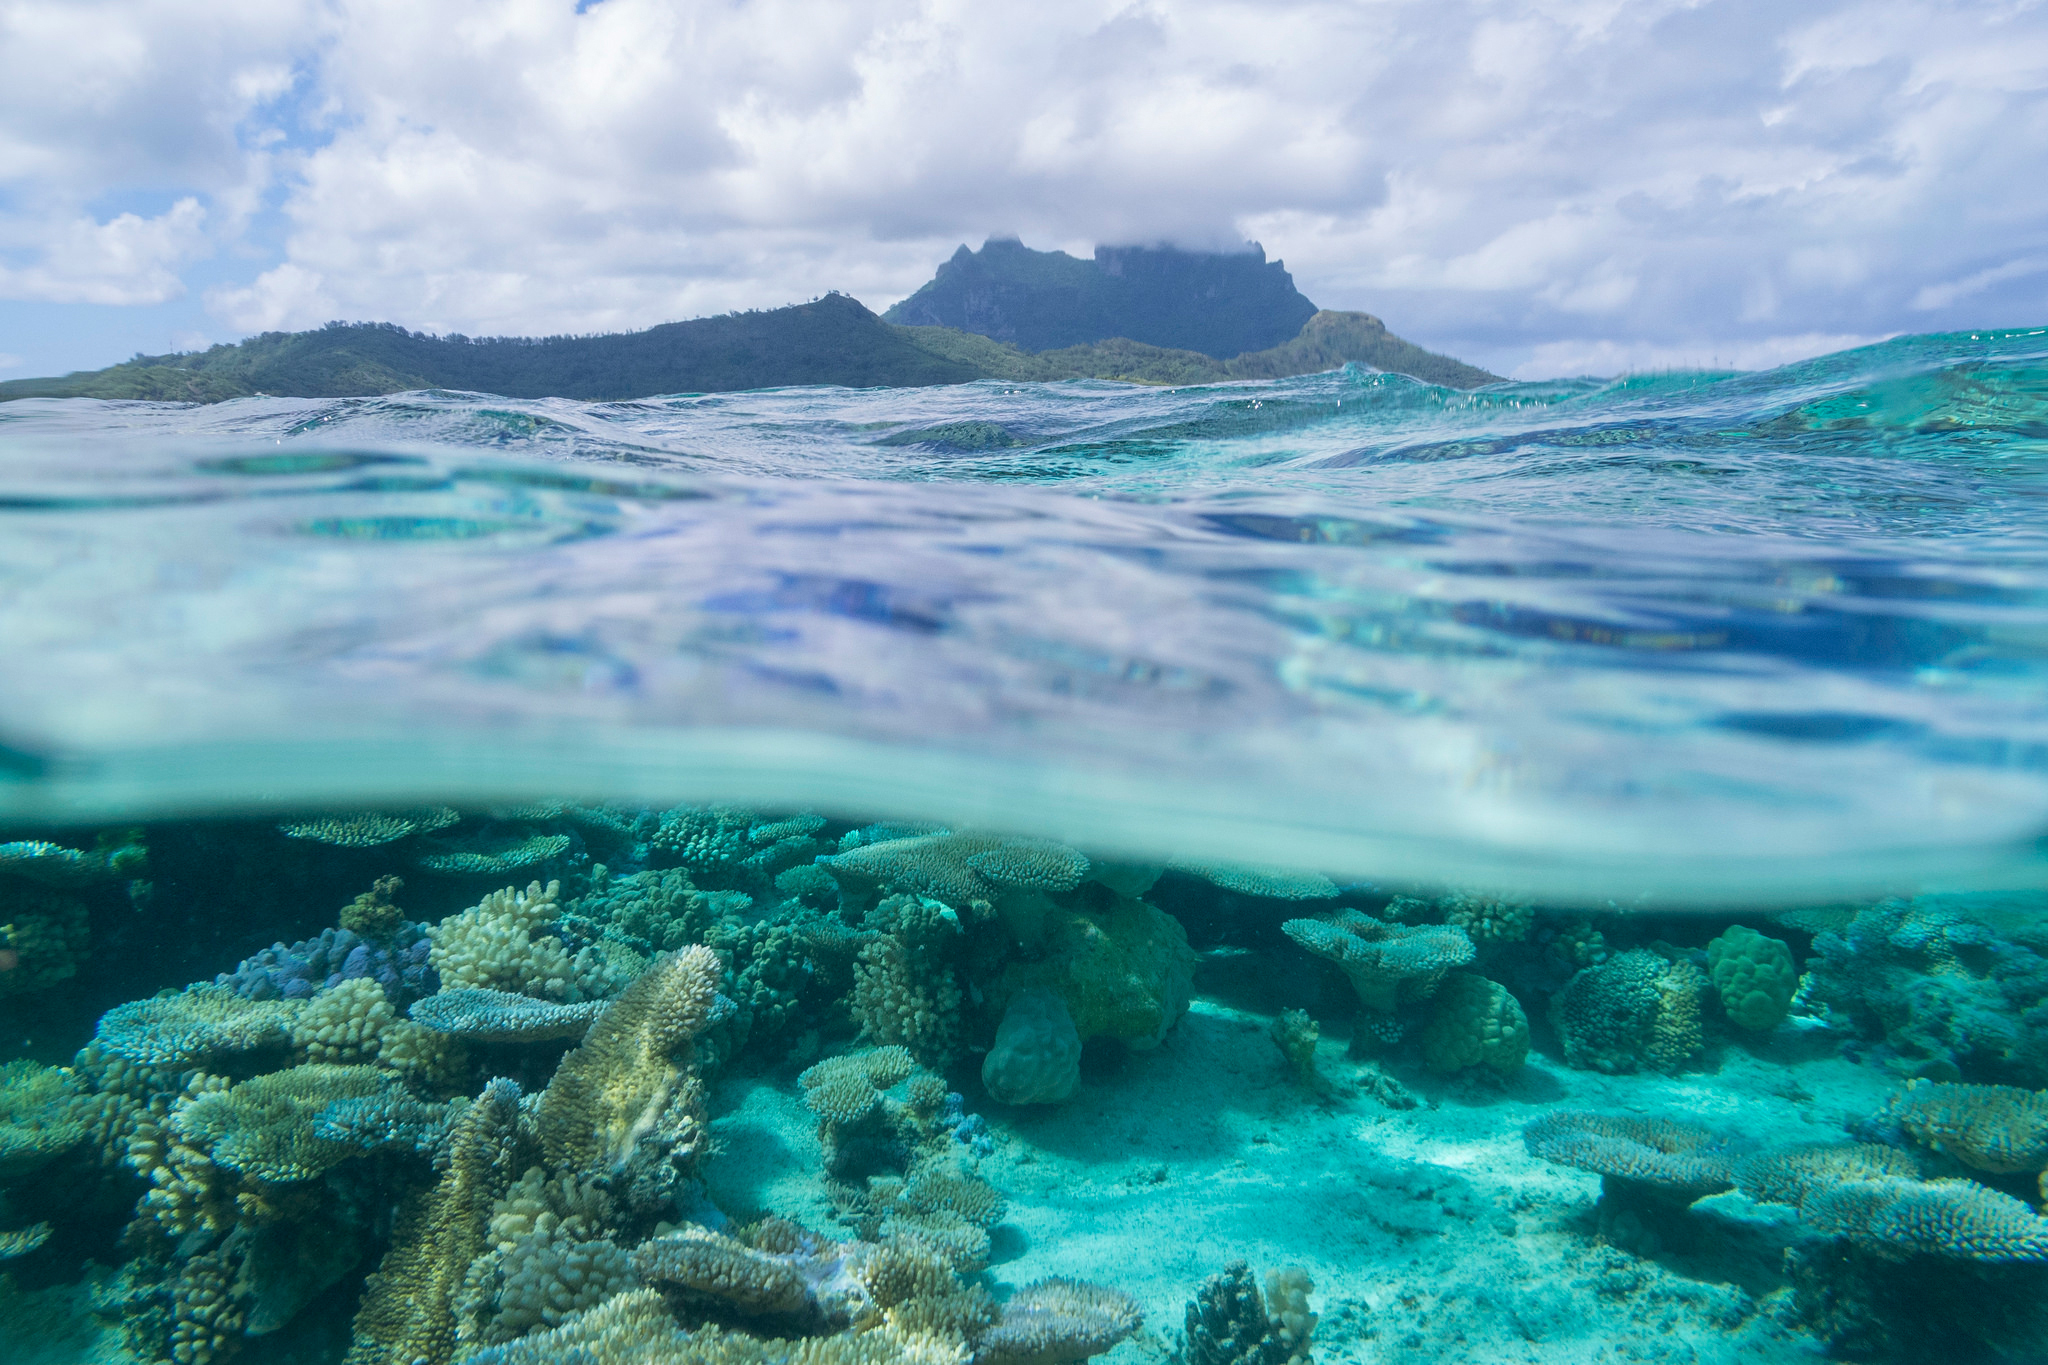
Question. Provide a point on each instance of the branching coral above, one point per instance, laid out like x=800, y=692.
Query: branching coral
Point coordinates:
x=44, y=936
x=1475, y=1022
x=1684, y=1158
x=346, y=1024
x=1057, y=1320
x=409, y=1310
x=38, y=1119
x=487, y=1016
x=539, y=1278
x=1229, y=1323
x=492, y=945
x=704, y=839
x=1387, y=963
x=194, y=1026
x=368, y=829
x=1959, y=1219
x=375, y=913
x=206, y=1312
x=1995, y=1128
x=632, y=1068
x=1754, y=976
x=896, y=1004
x=1634, y=1009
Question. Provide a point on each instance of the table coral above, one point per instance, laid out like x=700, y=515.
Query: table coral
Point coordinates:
x=1475, y=1022
x=1685, y=1158
x=814, y=1284
x=17, y=1242
x=1635, y=1009
x=368, y=829
x=1388, y=964
x=1259, y=879
x=194, y=1026
x=1958, y=1219
x=409, y=1312
x=1754, y=976
x=482, y=855
x=635, y=1063
x=263, y=1127
x=959, y=869
x=488, y=1016
x=1791, y=1175
x=1997, y=1128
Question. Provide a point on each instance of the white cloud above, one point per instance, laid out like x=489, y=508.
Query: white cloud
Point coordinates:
x=128, y=259
x=1608, y=356
x=1507, y=179
x=10, y=362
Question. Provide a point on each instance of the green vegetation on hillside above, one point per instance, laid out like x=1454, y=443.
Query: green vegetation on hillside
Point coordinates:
x=1218, y=303
x=832, y=341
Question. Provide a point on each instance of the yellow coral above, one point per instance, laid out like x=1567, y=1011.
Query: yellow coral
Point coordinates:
x=611, y=1090
x=1754, y=976
x=1997, y=1128
x=345, y=1024
x=263, y=1127
x=492, y=945
x=409, y=1312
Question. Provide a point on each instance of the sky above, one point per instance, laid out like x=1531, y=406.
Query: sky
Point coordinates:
x=1542, y=187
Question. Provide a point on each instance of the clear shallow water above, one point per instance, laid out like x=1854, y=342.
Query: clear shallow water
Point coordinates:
x=1693, y=637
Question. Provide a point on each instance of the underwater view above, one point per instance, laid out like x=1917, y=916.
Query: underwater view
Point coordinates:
x=1331, y=869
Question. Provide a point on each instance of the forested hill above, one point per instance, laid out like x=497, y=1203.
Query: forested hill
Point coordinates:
x=1222, y=304
x=834, y=340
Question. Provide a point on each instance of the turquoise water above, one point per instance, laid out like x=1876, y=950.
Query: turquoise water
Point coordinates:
x=1689, y=730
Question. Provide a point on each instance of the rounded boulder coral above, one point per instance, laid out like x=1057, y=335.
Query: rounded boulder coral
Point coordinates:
x=1754, y=976
x=1475, y=1023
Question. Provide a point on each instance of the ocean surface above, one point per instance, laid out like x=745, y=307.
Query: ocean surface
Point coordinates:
x=1324, y=872
x=1701, y=638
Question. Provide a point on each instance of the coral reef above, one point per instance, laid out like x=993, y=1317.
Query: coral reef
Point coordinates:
x=1635, y=1009
x=1123, y=969
x=1388, y=964
x=1895, y=1216
x=374, y=914
x=1474, y=1022
x=1790, y=1175
x=44, y=935
x=192, y=1027
x=1685, y=1158
x=1229, y=1323
x=409, y=1314
x=1938, y=993
x=1036, y=1057
x=368, y=829
x=1754, y=976
x=1996, y=1128
x=630, y=1084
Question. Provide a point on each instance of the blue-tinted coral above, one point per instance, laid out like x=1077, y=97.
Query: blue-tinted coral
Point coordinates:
x=1936, y=993
x=297, y=971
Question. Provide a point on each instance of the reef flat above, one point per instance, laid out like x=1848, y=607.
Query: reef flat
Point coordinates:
x=561, y=1082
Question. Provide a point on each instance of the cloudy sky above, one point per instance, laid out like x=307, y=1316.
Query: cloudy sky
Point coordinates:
x=1540, y=186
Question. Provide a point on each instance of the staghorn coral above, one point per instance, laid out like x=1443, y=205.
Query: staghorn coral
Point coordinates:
x=1388, y=964
x=263, y=1127
x=1754, y=976
x=1475, y=1022
x=1894, y=1216
x=1791, y=1175
x=39, y=1120
x=1036, y=1056
x=345, y=1024
x=1634, y=1009
x=192, y=1027
x=44, y=935
x=1997, y=1128
x=1055, y=1320
x=409, y=1311
x=632, y=1068
x=368, y=829
x=488, y=1016
x=1259, y=879
x=1684, y=1158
